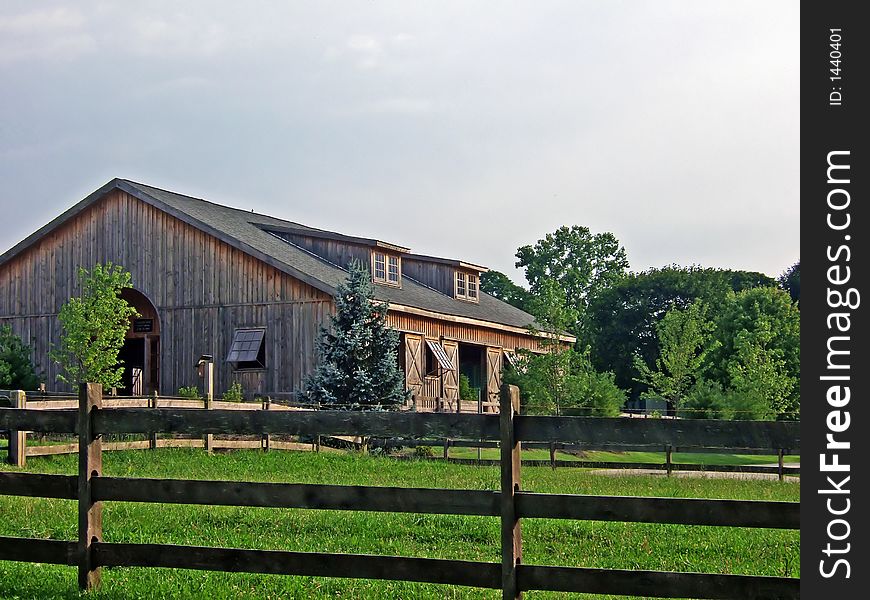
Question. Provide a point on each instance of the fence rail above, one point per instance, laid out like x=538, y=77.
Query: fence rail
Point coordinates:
x=91, y=488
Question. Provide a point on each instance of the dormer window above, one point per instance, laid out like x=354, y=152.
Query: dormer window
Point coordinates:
x=466, y=286
x=386, y=268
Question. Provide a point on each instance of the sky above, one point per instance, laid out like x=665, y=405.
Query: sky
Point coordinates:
x=458, y=129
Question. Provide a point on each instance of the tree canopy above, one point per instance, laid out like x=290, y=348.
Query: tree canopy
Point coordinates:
x=580, y=262
x=790, y=281
x=622, y=318
x=497, y=284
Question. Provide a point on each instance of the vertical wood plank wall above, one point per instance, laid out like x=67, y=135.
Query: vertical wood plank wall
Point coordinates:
x=435, y=275
x=202, y=287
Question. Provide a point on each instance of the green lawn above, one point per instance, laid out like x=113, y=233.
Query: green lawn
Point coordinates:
x=574, y=543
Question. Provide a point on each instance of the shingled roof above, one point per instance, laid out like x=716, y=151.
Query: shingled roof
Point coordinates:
x=247, y=231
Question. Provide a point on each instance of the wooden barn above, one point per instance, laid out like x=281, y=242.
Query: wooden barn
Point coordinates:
x=252, y=291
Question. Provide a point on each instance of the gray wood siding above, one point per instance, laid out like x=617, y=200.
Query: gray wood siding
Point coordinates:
x=435, y=275
x=202, y=287
x=335, y=251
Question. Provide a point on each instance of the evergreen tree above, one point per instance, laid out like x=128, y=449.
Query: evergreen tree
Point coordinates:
x=358, y=367
x=16, y=369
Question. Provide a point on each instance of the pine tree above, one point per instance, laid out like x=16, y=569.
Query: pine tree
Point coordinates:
x=358, y=367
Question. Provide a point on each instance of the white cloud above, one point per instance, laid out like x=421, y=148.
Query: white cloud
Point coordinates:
x=41, y=22
x=50, y=34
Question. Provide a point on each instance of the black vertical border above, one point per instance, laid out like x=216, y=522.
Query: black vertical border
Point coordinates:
x=825, y=128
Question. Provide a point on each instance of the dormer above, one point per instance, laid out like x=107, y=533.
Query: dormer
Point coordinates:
x=384, y=260
x=454, y=278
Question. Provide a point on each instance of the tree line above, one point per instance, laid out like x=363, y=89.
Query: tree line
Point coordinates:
x=697, y=342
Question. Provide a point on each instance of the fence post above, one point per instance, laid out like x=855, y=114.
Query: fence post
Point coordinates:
x=152, y=436
x=781, y=472
x=668, y=450
x=511, y=537
x=553, y=455
x=267, y=438
x=90, y=466
x=446, y=449
x=18, y=439
x=208, y=388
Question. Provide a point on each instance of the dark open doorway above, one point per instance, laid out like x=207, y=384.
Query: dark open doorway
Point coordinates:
x=140, y=354
x=471, y=365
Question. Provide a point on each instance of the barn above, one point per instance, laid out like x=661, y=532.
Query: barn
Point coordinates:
x=252, y=291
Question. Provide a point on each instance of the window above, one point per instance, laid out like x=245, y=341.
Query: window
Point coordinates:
x=386, y=268
x=393, y=269
x=467, y=287
x=248, y=350
x=380, y=266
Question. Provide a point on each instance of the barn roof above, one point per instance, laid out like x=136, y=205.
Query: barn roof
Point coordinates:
x=246, y=231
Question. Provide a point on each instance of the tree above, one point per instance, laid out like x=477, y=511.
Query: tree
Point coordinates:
x=762, y=386
x=684, y=337
x=358, y=366
x=582, y=264
x=790, y=281
x=16, y=369
x=561, y=379
x=759, y=328
x=622, y=318
x=94, y=325
x=498, y=285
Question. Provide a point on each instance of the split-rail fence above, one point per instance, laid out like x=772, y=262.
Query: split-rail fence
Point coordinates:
x=91, y=488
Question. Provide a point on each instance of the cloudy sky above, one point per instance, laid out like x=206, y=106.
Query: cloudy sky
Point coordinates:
x=460, y=129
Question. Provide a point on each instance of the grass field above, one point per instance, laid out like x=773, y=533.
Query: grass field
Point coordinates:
x=593, y=544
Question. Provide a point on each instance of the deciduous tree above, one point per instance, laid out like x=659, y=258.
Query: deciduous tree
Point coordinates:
x=498, y=284
x=685, y=337
x=580, y=262
x=94, y=325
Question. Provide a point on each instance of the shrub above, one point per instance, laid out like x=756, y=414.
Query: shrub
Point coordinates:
x=466, y=392
x=191, y=392
x=707, y=400
x=424, y=452
x=234, y=394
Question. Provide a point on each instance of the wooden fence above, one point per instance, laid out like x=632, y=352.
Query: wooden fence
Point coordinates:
x=668, y=465
x=20, y=450
x=90, y=488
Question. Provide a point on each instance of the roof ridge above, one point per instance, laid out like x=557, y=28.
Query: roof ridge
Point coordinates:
x=224, y=206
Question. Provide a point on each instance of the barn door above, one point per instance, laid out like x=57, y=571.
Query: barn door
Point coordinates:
x=493, y=377
x=414, y=363
x=450, y=377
